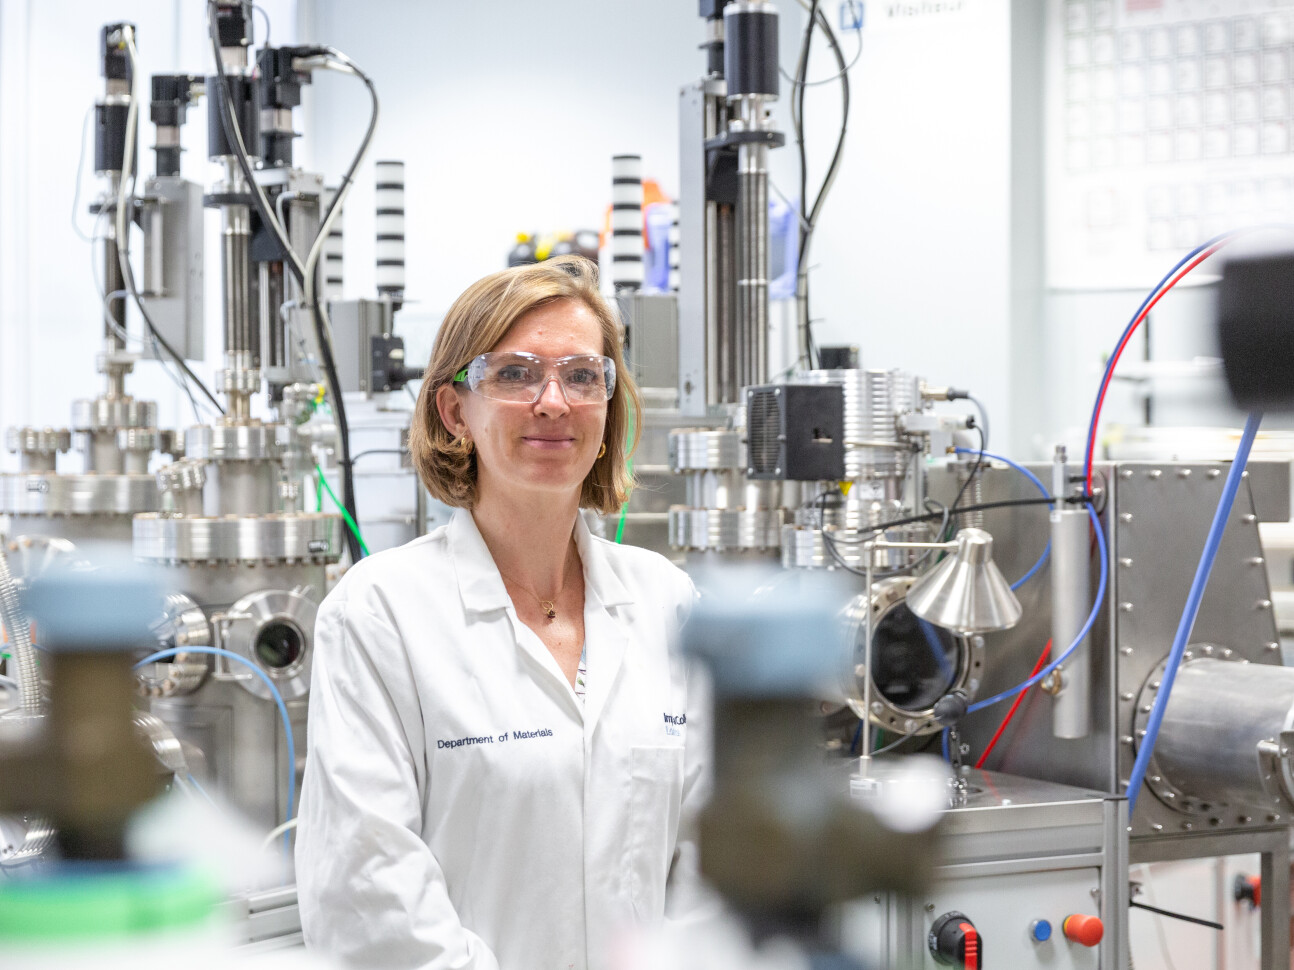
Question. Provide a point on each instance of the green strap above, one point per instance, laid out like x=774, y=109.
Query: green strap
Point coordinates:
x=342, y=509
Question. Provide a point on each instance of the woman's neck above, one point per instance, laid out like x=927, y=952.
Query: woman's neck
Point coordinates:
x=532, y=540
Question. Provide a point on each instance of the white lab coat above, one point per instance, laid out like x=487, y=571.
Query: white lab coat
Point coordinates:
x=461, y=808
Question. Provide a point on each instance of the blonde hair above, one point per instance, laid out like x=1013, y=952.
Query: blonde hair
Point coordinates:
x=476, y=322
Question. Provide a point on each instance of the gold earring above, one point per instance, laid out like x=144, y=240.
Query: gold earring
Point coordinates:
x=603, y=450
x=465, y=445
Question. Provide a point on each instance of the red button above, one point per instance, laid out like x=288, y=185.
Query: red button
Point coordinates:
x=1086, y=930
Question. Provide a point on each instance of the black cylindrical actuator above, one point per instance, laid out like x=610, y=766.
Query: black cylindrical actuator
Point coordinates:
x=280, y=92
x=243, y=96
x=110, y=136
x=167, y=111
x=116, y=60
x=750, y=48
x=712, y=11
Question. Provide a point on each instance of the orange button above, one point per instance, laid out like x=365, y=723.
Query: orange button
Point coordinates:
x=1086, y=930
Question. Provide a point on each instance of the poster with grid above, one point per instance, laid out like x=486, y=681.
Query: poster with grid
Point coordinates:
x=1167, y=122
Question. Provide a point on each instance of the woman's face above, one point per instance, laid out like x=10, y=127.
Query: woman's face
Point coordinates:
x=549, y=445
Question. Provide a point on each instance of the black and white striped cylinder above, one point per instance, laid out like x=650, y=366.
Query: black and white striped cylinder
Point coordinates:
x=333, y=252
x=390, y=230
x=627, y=222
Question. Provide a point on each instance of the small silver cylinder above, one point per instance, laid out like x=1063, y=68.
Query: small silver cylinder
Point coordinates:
x=113, y=283
x=235, y=252
x=151, y=216
x=102, y=454
x=1071, y=591
x=241, y=488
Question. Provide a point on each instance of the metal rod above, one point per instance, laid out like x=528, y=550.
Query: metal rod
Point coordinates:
x=865, y=756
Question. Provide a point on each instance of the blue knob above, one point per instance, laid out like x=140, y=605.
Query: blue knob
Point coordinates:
x=1040, y=930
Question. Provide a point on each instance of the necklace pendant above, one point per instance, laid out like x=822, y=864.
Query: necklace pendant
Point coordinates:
x=550, y=611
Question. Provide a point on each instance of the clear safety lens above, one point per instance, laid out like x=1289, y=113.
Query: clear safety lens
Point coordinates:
x=585, y=378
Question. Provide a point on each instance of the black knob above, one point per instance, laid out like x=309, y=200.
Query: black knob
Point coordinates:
x=954, y=941
x=1248, y=889
x=951, y=708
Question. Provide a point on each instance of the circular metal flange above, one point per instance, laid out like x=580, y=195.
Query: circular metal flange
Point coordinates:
x=240, y=381
x=182, y=624
x=887, y=596
x=273, y=628
x=49, y=493
x=171, y=442
x=290, y=538
x=719, y=530
x=803, y=547
x=187, y=474
x=1169, y=794
x=29, y=556
x=707, y=449
x=161, y=739
x=138, y=439
x=111, y=413
x=38, y=441
x=238, y=442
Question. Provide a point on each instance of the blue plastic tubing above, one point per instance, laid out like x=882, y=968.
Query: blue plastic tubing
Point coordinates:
x=1192, y=609
x=278, y=701
x=1033, y=570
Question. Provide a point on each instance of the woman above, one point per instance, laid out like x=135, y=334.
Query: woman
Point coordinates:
x=467, y=803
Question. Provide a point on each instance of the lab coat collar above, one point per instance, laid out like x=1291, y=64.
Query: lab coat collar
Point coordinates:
x=479, y=582
x=481, y=587
x=599, y=575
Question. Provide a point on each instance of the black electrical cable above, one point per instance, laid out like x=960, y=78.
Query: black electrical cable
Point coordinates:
x=1181, y=916
x=229, y=123
x=128, y=275
x=378, y=451
x=816, y=19
x=343, y=429
x=123, y=256
x=844, y=121
x=983, y=415
x=975, y=467
x=865, y=534
x=797, y=104
x=317, y=308
x=830, y=542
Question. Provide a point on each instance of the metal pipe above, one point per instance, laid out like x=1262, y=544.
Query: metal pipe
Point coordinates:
x=751, y=322
x=113, y=282
x=1071, y=584
x=724, y=275
x=1224, y=740
x=21, y=649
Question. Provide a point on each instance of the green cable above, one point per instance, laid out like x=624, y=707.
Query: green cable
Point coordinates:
x=629, y=466
x=319, y=492
x=341, y=508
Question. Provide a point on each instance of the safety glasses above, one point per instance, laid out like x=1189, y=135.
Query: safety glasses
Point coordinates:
x=521, y=377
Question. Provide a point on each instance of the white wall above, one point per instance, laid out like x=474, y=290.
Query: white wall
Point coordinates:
x=913, y=250
x=506, y=115
x=50, y=318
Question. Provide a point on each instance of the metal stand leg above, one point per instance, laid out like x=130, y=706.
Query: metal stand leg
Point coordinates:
x=1275, y=906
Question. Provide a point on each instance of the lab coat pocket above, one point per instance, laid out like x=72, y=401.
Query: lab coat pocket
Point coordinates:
x=655, y=796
